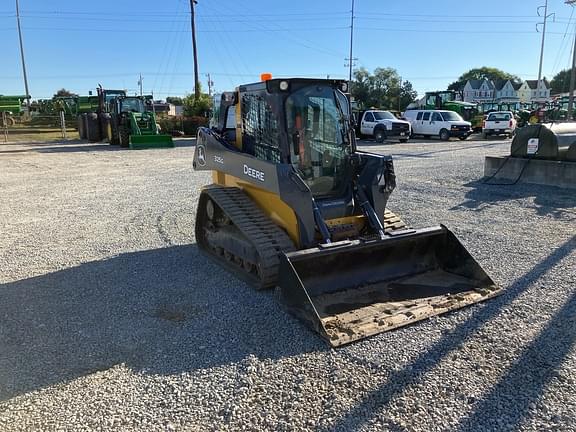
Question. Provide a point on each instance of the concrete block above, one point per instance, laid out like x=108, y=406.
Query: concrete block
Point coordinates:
x=537, y=171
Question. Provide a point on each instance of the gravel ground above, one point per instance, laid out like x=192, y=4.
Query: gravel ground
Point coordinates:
x=110, y=318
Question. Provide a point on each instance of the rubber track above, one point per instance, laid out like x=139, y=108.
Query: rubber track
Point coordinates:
x=268, y=238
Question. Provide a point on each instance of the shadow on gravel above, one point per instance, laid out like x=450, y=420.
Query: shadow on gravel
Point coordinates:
x=162, y=311
x=62, y=147
x=185, y=142
x=537, y=365
x=80, y=146
x=548, y=200
x=429, y=154
x=530, y=366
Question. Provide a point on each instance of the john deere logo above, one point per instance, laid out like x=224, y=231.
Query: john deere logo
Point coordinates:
x=201, y=155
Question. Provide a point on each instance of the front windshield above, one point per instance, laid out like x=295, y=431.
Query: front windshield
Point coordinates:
x=132, y=105
x=451, y=116
x=317, y=134
x=383, y=115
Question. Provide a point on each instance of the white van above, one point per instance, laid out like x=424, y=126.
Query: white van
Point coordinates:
x=440, y=123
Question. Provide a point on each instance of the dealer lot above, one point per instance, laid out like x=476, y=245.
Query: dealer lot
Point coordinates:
x=110, y=317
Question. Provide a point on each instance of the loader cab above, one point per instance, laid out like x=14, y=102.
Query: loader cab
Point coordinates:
x=130, y=104
x=302, y=122
x=318, y=128
x=107, y=98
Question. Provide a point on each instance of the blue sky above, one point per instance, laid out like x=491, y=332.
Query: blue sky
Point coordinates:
x=78, y=44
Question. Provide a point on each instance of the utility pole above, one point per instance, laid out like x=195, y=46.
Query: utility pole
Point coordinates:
x=140, y=84
x=572, y=74
x=210, y=84
x=351, y=59
x=22, y=56
x=399, y=93
x=543, y=35
x=196, y=80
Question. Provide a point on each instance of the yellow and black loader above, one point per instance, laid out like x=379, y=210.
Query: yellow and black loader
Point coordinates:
x=295, y=205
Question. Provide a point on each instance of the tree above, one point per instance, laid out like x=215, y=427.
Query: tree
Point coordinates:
x=383, y=89
x=561, y=82
x=175, y=100
x=197, y=107
x=64, y=93
x=481, y=73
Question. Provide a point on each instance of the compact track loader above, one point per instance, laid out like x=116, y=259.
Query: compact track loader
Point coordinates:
x=295, y=205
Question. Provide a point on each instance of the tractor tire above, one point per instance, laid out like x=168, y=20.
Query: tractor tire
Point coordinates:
x=404, y=140
x=105, y=121
x=81, y=125
x=93, y=127
x=9, y=121
x=380, y=135
x=124, y=136
x=114, y=137
x=464, y=138
x=444, y=135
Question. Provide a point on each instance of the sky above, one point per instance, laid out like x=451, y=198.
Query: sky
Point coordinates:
x=80, y=44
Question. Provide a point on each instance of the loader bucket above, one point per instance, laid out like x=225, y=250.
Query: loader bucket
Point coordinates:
x=350, y=290
x=150, y=141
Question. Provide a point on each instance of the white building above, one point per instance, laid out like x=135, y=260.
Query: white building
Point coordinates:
x=175, y=110
x=478, y=91
x=534, y=91
x=506, y=91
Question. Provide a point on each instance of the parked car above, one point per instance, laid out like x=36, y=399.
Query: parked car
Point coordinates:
x=383, y=125
x=499, y=123
x=440, y=123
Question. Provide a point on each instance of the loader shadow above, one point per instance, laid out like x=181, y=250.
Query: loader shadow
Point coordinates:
x=548, y=200
x=539, y=365
x=161, y=311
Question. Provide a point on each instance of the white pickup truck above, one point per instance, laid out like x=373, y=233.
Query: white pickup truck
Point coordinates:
x=382, y=126
x=499, y=123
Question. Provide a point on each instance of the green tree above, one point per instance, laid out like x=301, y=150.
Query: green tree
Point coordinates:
x=175, y=100
x=63, y=93
x=200, y=107
x=561, y=82
x=383, y=89
x=481, y=73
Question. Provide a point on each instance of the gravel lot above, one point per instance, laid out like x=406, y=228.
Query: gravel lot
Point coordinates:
x=110, y=319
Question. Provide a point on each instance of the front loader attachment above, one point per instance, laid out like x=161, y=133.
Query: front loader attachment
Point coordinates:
x=354, y=289
x=150, y=141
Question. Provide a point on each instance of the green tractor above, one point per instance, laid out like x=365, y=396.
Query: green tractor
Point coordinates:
x=132, y=124
x=93, y=113
x=448, y=100
x=10, y=106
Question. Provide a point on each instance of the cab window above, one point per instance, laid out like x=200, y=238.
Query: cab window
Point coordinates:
x=368, y=117
x=426, y=116
x=419, y=116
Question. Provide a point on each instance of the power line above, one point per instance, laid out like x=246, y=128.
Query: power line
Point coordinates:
x=117, y=30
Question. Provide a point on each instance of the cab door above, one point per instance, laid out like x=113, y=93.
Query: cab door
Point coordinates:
x=425, y=123
x=367, y=124
x=436, y=124
x=416, y=123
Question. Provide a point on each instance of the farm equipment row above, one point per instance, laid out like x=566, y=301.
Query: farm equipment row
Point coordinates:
x=128, y=121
